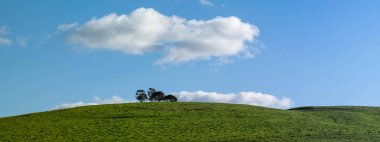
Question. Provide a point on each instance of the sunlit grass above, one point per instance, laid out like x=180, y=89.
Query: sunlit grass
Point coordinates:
x=194, y=122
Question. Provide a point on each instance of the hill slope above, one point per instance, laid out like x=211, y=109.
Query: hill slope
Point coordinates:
x=194, y=122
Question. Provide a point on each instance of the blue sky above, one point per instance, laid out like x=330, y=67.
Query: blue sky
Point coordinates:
x=312, y=52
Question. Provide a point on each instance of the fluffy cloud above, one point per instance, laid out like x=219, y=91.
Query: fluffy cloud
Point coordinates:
x=96, y=101
x=206, y=2
x=3, y=40
x=251, y=98
x=66, y=27
x=181, y=40
x=72, y=105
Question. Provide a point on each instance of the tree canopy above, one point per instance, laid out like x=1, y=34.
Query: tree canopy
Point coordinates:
x=154, y=96
x=141, y=95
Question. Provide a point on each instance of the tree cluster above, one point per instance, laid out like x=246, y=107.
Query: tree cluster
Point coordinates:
x=154, y=96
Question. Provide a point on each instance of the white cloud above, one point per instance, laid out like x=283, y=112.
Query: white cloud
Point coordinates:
x=206, y=2
x=181, y=40
x=251, y=98
x=72, y=105
x=66, y=27
x=112, y=100
x=5, y=41
x=96, y=101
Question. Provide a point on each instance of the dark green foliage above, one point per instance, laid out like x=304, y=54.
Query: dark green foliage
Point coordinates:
x=170, y=98
x=194, y=122
x=150, y=92
x=141, y=95
x=157, y=96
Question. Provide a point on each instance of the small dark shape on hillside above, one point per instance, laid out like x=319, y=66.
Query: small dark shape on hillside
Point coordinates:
x=332, y=108
x=302, y=108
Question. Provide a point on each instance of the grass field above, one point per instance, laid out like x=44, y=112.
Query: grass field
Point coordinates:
x=194, y=122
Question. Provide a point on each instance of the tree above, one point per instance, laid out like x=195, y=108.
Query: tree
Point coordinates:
x=141, y=95
x=150, y=93
x=154, y=96
x=157, y=96
x=170, y=98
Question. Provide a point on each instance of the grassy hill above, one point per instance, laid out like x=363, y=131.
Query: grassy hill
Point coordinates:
x=194, y=122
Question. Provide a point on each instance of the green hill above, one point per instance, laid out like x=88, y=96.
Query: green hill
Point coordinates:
x=194, y=122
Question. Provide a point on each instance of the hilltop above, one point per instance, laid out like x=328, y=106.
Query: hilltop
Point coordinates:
x=194, y=122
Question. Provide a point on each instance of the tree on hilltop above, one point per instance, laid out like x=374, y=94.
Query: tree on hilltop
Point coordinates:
x=150, y=92
x=154, y=96
x=170, y=98
x=141, y=95
x=157, y=96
